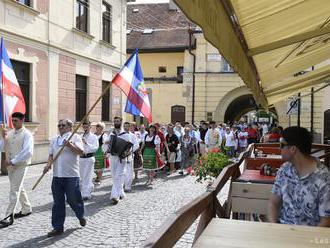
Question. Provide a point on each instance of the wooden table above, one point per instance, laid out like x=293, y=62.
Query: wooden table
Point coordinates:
x=250, y=193
x=254, y=176
x=249, y=234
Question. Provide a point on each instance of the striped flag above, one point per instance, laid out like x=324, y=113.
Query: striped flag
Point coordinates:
x=130, y=81
x=11, y=97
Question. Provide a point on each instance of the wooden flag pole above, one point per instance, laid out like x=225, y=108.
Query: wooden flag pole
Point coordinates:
x=74, y=131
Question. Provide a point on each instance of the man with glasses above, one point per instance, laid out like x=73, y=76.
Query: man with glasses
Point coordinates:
x=65, y=184
x=301, y=191
x=87, y=160
x=18, y=145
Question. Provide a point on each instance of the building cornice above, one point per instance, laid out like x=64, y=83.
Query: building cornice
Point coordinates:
x=48, y=45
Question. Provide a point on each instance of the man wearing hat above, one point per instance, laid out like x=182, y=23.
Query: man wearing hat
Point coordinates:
x=18, y=145
x=87, y=160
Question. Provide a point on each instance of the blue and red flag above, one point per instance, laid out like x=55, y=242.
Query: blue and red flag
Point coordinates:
x=11, y=97
x=130, y=81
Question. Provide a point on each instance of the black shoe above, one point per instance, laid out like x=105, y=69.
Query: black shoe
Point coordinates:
x=114, y=201
x=181, y=172
x=8, y=221
x=54, y=233
x=82, y=221
x=21, y=215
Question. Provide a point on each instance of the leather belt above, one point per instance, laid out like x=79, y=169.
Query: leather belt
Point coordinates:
x=88, y=155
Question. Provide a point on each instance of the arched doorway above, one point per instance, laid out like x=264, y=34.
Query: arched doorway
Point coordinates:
x=240, y=106
x=178, y=113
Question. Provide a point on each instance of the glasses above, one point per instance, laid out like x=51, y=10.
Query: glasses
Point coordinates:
x=14, y=120
x=61, y=125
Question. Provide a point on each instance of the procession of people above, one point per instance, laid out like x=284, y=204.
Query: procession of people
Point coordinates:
x=126, y=150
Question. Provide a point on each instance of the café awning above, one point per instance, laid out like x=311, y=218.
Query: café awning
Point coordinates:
x=269, y=43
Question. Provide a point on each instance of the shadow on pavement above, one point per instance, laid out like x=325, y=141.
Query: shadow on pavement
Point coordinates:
x=43, y=241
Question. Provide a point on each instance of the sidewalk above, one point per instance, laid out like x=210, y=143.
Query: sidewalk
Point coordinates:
x=127, y=224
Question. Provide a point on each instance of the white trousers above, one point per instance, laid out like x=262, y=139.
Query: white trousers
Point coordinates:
x=129, y=171
x=86, y=169
x=17, y=192
x=117, y=171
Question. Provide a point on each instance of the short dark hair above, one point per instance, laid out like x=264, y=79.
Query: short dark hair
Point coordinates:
x=299, y=137
x=117, y=118
x=212, y=122
x=18, y=115
x=127, y=123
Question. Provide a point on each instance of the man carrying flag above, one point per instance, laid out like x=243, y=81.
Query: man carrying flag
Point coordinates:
x=18, y=143
x=130, y=81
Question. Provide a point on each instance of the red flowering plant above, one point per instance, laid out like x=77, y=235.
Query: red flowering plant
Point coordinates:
x=211, y=164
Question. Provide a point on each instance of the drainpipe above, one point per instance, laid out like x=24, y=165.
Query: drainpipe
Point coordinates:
x=299, y=108
x=190, y=31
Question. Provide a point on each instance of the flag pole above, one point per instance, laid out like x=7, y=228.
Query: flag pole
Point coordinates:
x=3, y=154
x=74, y=131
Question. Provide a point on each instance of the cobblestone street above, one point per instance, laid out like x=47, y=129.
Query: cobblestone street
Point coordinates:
x=127, y=224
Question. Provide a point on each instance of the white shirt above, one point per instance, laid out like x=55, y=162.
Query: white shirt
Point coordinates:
x=230, y=139
x=216, y=138
x=140, y=136
x=104, y=139
x=67, y=164
x=156, y=141
x=27, y=150
x=242, y=139
x=91, y=143
x=264, y=129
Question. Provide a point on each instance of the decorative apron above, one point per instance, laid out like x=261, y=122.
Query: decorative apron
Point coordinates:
x=151, y=158
x=100, y=158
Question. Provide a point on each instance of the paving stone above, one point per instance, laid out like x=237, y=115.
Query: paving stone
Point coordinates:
x=127, y=224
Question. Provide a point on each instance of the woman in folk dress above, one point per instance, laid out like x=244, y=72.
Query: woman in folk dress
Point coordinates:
x=151, y=153
x=100, y=159
x=187, y=149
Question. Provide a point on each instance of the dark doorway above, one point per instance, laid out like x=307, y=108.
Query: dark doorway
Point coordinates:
x=238, y=107
x=327, y=126
x=178, y=113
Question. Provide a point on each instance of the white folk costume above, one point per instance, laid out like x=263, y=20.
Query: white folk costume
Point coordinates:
x=213, y=139
x=129, y=167
x=118, y=167
x=19, y=150
x=86, y=163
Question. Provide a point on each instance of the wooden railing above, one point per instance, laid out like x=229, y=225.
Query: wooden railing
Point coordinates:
x=207, y=206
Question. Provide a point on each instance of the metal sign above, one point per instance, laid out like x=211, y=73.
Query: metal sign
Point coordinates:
x=292, y=105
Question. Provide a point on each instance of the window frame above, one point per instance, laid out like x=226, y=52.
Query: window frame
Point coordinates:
x=26, y=2
x=106, y=102
x=81, y=92
x=179, y=74
x=25, y=85
x=79, y=4
x=162, y=69
x=107, y=33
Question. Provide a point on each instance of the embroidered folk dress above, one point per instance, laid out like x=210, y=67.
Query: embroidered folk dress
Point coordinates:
x=304, y=199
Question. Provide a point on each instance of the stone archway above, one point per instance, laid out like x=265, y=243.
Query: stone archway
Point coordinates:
x=229, y=98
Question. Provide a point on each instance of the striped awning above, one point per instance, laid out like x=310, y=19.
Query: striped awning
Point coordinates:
x=278, y=47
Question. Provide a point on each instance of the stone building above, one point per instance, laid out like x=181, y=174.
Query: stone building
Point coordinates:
x=63, y=53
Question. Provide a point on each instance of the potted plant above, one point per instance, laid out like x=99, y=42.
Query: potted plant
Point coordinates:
x=211, y=164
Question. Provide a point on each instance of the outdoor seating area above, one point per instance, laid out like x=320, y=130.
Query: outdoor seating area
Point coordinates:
x=248, y=197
